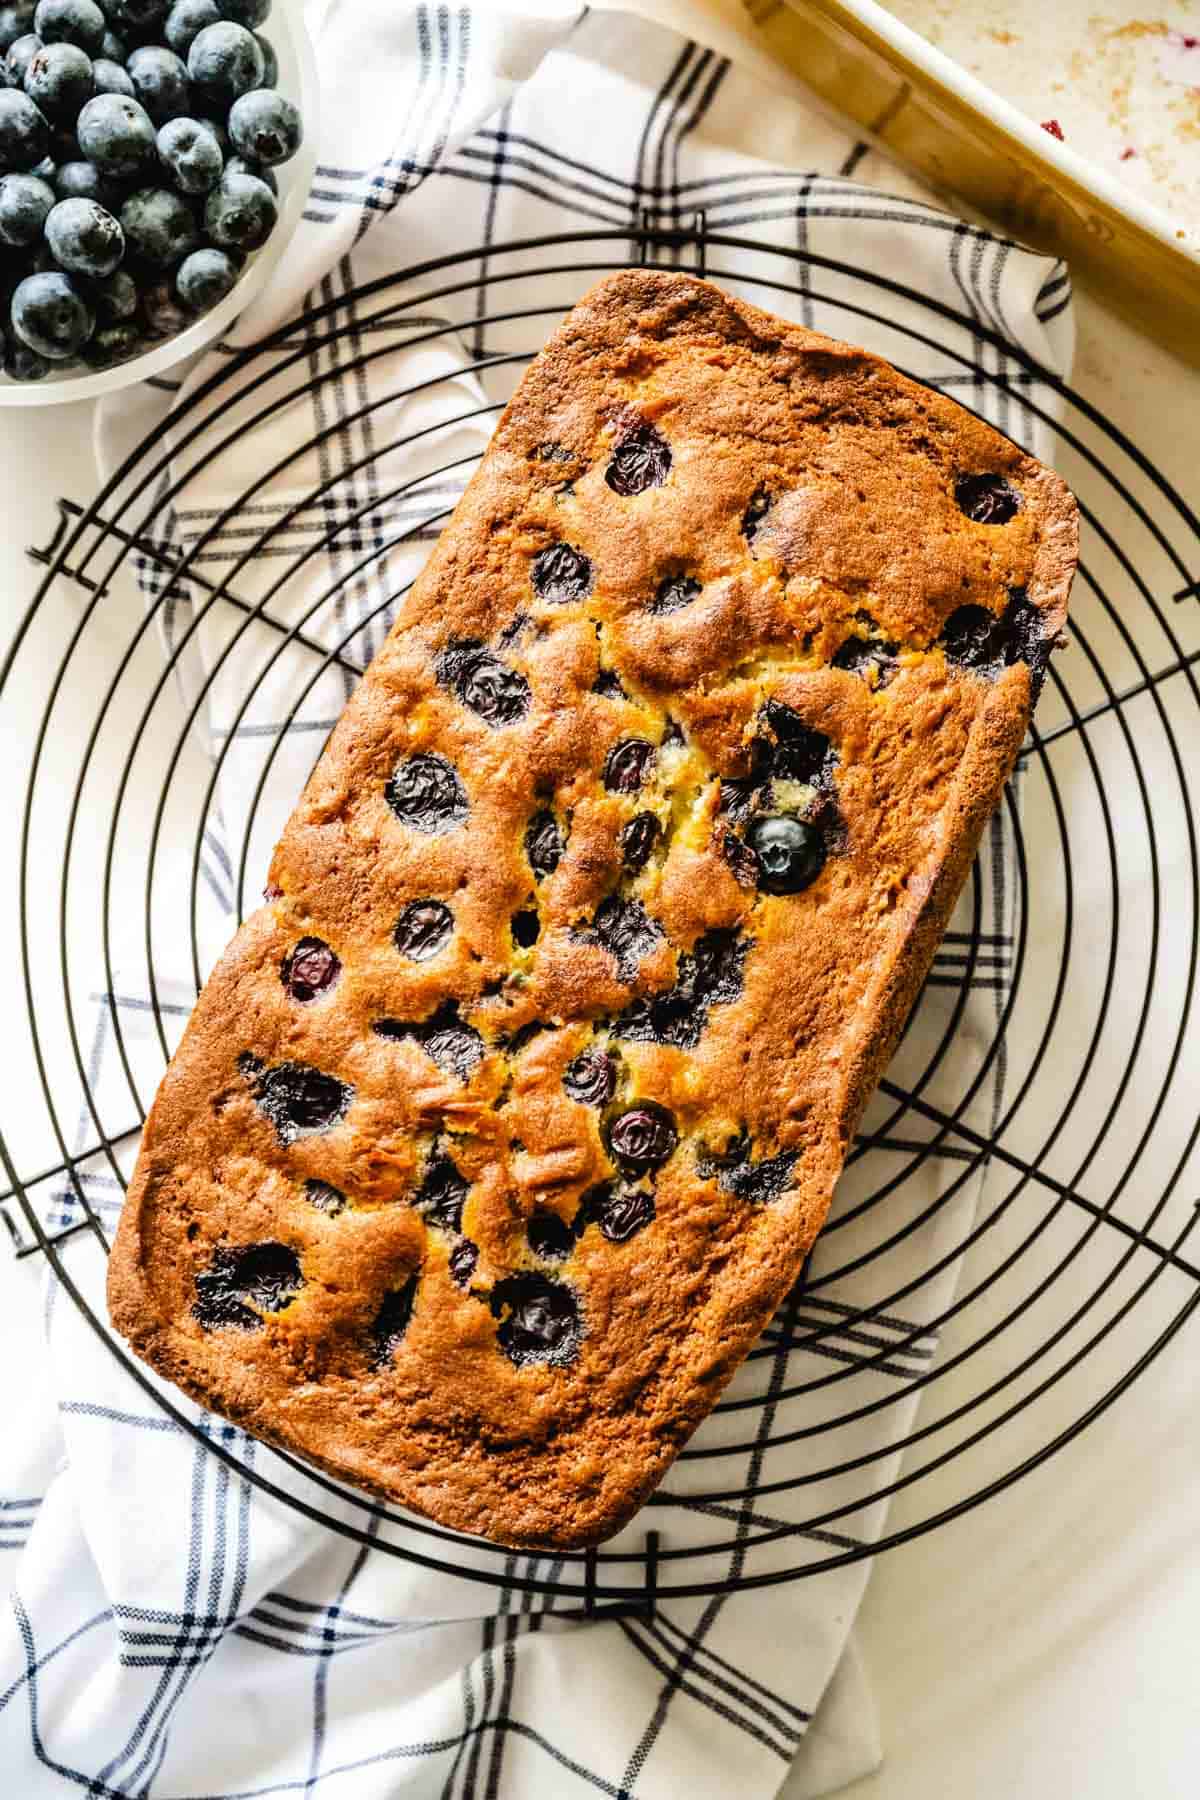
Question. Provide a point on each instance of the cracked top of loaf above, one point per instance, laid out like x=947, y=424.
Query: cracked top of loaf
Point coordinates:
x=498, y=1134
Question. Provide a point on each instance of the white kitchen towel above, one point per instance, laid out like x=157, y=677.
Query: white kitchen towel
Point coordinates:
x=175, y=1630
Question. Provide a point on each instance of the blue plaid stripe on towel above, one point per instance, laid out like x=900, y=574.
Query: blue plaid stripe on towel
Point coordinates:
x=175, y=1631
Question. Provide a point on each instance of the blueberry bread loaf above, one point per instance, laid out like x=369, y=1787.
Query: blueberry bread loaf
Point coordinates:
x=499, y=1133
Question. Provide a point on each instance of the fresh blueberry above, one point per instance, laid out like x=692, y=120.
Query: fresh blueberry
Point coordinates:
x=50, y=315
x=161, y=82
x=159, y=227
x=71, y=22
x=790, y=854
x=117, y=134
x=15, y=21
x=84, y=181
x=240, y=213
x=163, y=315
x=265, y=127
x=25, y=200
x=111, y=78
x=24, y=133
x=59, y=80
x=225, y=60
x=270, y=77
x=190, y=154
x=185, y=21
x=115, y=298
x=13, y=271
x=250, y=13
x=84, y=238
x=20, y=55
x=238, y=165
x=204, y=278
x=113, y=48
x=136, y=18
x=113, y=344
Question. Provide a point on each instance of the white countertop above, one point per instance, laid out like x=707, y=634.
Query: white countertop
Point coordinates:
x=1044, y=1644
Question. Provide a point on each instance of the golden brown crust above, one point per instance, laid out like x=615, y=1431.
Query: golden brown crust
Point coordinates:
x=807, y=500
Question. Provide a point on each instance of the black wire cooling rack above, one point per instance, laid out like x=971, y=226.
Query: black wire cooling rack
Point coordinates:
x=1079, y=1261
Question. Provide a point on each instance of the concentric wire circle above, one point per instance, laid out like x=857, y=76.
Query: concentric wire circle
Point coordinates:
x=1075, y=1262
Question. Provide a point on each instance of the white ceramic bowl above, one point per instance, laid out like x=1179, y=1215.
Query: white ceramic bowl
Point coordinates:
x=298, y=80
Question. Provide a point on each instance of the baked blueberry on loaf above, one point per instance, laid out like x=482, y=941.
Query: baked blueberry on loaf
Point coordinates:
x=498, y=1135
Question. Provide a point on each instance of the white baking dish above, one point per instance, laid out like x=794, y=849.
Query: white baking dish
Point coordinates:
x=970, y=142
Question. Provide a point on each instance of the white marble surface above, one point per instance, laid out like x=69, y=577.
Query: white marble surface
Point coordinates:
x=1046, y=1644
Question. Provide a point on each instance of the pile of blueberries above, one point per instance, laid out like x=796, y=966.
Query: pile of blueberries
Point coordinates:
x=138, y=141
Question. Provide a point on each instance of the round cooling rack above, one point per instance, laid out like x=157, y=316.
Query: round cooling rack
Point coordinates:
x=1053, y=1049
